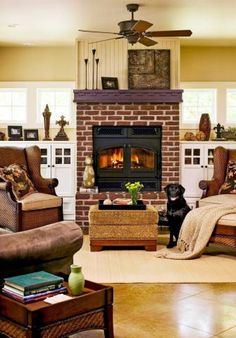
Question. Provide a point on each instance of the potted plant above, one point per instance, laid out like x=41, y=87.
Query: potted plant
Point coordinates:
x=134, y=189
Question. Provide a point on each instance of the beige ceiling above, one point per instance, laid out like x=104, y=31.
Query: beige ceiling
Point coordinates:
x=56, y=22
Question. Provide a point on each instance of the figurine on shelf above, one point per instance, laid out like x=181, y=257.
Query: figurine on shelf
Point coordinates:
x=61, y=135
x=219, y=129
x=46, y=115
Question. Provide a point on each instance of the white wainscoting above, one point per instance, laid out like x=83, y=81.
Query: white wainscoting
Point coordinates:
x=113, y=60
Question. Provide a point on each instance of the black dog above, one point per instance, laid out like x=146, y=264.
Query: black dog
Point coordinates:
x=177, y=209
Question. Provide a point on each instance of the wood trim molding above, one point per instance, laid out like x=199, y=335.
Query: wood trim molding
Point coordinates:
x=128, y=96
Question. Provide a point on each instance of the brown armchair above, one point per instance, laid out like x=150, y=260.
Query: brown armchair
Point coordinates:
x=225, y=230
x=32, y=210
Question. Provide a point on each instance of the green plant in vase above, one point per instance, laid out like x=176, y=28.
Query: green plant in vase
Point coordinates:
x=134, y=189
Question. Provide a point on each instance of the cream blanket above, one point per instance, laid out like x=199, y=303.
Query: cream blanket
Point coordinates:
x=196, y=231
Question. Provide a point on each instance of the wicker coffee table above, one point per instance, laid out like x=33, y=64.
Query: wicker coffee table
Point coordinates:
x=89, y=311
x=123, y=228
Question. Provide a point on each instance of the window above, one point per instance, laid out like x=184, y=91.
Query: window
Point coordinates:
x=13, y=105
x=196, y=102
x=59, y=101
x=231, y=106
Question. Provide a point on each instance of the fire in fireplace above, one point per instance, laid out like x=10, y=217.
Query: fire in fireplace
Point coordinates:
x=123, y=154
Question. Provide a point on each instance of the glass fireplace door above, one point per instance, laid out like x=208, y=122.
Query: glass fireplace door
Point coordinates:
x=111, y=159
x=142, y=159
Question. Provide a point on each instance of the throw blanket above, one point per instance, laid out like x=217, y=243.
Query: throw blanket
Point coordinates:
x=196, y=231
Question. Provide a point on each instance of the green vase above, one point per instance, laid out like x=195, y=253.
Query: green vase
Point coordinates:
x=134, y=198
x=76, y=280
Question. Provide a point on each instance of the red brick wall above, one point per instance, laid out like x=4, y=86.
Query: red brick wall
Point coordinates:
x=89, y=115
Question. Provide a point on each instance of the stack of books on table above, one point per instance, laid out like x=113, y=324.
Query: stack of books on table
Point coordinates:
x=33, y=286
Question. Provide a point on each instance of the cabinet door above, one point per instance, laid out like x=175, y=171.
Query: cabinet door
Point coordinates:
x=63, y=168
x=208, y=161
x=192, y=169
x=45, y=160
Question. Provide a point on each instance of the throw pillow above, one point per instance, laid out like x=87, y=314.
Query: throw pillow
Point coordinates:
x=21, y=183
x=229, y=186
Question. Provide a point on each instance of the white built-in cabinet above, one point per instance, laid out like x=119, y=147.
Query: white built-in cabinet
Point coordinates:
x=57, y=161
x=196, y=164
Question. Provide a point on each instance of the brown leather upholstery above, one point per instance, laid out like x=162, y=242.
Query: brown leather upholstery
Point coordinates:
x=50, y=248
x=11, y=214
x=225, y=231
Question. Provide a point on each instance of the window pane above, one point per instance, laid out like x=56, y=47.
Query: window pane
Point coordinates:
x=197, y=102
x=13, y=104
x=231, y=105
x=59, y=101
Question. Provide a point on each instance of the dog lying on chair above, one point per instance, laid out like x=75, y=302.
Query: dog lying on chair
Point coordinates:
x=177, y=209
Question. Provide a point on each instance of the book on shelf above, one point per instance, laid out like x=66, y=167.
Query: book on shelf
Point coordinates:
x=33, y=281
x=33, y=291
x=93, y=190
x=33, y=298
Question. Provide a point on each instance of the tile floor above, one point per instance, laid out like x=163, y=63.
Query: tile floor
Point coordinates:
x=172, y=311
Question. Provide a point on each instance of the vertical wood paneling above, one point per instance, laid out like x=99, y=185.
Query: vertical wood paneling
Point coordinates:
x=113, y=56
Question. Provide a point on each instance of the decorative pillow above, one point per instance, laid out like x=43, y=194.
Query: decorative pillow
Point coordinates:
x=229, y=186
x=21, y=183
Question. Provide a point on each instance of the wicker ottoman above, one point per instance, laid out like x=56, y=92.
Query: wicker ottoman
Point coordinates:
x=123, y=228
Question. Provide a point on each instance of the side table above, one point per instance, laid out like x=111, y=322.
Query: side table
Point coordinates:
x=91, y=310
x=123, y=228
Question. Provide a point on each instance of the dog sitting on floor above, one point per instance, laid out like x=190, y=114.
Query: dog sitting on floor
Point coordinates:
x=177, y=209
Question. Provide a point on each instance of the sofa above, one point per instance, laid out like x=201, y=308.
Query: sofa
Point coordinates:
x=221, y=189
x=50, y=248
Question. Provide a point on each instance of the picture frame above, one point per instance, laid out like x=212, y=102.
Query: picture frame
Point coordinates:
x=110, y=83
x=31, y=134
x=14, y=133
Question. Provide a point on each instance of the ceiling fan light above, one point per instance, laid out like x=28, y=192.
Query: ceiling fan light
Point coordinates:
x=132, y=39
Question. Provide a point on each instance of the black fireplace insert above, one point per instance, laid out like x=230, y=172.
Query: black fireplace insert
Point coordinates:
x=125, y=154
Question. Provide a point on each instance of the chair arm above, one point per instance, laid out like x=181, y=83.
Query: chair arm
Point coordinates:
x=46, y=185
x=210, y=187
x=7, y=188
x=33, y=248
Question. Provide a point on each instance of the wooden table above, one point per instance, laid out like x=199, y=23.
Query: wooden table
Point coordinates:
x=91, y=310
x=123, y=228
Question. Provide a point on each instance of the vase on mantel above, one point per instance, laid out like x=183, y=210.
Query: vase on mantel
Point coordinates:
x=205, y=125
x=76, y=280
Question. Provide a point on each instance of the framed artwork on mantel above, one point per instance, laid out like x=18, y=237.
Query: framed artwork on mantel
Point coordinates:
x=149, y=69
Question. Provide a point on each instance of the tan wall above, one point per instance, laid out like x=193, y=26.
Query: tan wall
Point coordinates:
x=37, y=63
x=207, y=64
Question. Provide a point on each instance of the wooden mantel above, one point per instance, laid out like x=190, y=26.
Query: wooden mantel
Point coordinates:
x=128, y=96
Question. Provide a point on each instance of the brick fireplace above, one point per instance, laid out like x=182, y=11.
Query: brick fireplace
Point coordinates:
x=126, y=108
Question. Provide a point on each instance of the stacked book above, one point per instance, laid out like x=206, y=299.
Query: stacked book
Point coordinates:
x=33, y=286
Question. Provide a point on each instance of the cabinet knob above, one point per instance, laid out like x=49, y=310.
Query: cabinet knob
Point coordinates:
x=53, y=165
x=48, y=166
x=205, y=166
x=202, y=166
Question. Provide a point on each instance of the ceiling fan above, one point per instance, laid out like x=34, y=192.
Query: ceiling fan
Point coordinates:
x=135, y=30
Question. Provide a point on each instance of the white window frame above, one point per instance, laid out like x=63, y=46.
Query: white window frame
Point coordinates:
x=32, y=86
x=13, y=89
x=221, y=104
x=204, y=109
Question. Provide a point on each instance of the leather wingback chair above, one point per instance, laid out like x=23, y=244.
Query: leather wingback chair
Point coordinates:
x=36, y=209
x=225, y=229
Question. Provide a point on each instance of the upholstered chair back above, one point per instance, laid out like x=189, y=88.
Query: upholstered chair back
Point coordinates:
x=10, y=155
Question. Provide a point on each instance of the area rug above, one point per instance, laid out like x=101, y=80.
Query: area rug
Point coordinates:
x=216, y=265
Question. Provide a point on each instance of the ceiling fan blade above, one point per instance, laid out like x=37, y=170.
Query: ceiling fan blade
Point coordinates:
x=89, y=31
x=185, y=32
x=120, y=37
x=141, y=26
x=146, y=41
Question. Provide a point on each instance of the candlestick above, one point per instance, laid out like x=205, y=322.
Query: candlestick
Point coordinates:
x=93, y=51
x=86, y=72
x=97, y=61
